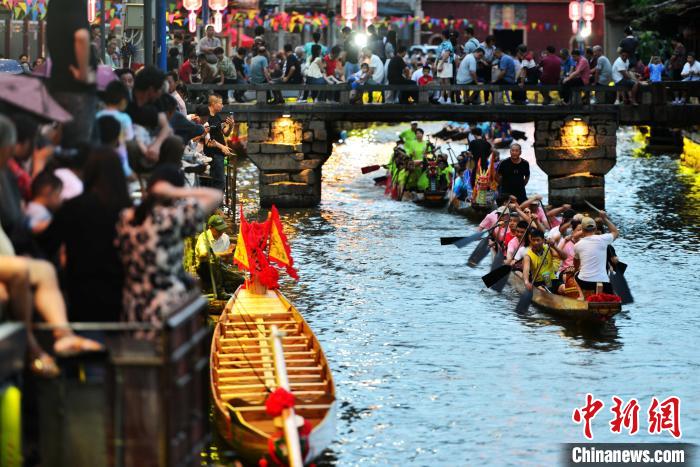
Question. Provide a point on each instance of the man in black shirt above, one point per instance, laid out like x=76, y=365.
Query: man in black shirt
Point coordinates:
x=216, y=147
x=148, y=87
x=480, y=150
x=513, y=174
x=396, y=75
x=629, y=44
x=72, y=81
x=291, y=70
x=239, y=62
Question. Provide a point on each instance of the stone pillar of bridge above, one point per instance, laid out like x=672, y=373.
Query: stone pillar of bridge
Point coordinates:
x=290, y=154
x=576, y=154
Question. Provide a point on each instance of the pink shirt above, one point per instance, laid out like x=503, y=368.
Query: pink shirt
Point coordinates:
x=489, y=221
x=512, y=247
x=584, y=70
x=568, y=248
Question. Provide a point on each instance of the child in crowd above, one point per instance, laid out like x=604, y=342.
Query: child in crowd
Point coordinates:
x=656, y=69
x=46, y=198
x=116, y=98
x=357, y=80
x=427, y=77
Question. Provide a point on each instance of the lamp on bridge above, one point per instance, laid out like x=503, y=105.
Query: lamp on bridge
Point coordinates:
x=348, y=10
x=218, y=6
x=91, y=12
x=192, y=6
x=581, y=14
x=368, y=11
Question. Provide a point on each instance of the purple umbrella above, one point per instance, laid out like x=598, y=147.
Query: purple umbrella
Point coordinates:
x=105, y=75
x=30, y=94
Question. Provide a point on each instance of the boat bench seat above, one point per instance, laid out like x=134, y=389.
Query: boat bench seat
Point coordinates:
x=261, y=408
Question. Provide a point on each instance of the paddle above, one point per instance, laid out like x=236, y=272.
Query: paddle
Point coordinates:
x=370, y=168
x=463, y=241
x=526, y=296
x=380, y=180
x=493, y=280
x=482, y=249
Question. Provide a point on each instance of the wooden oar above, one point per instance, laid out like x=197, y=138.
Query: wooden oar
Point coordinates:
x=526, y=296
x=380, y=180
x=496, y=278
x=461, y=242
x=482, y=249
x=370, y=168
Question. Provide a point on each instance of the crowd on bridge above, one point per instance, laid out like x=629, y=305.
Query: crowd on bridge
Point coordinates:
x=462, y=58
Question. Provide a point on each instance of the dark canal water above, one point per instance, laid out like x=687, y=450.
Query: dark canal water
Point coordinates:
x=433, y=369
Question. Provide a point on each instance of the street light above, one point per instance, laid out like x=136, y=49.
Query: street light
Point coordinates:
x=348, y=10
x=581, y=14
x=368, y=11
x=192, y=6
x=361, y=40
x=218, y=6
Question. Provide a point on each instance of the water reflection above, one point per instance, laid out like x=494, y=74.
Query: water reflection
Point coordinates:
x=432, y=369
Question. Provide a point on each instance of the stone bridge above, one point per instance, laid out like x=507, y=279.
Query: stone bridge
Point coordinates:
x=575, y=145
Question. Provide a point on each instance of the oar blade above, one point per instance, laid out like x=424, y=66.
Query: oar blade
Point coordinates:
x=495, y=276
x=497, y=260
x=524, y=302
x=464, y=241
x=449, y=240
x=369, y=168
x=479, y=253
x=380, y=180
x=498, y=286
x=619, y=285
x=620, y=267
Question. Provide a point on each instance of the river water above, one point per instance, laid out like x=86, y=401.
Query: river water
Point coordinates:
x=431, y=368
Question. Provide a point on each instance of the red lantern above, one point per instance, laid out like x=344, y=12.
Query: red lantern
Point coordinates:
x=218, y=6
x=92, y=7
x=192, y=6
x=574, y=10
x=369, y=10
x=348, y=10
x=588, y=13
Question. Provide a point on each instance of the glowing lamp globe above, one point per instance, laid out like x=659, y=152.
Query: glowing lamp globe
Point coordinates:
x=218, y=6
x=192, y=6
x=574, y=10
x=588, y=12
x=368, y=10
x=91, y=9
x=348, y=10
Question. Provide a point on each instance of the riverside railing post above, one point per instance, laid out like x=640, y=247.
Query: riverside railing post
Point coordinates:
x=161, y=34
x=148, y=32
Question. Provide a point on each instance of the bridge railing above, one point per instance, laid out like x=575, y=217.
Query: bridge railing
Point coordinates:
x=651, y=94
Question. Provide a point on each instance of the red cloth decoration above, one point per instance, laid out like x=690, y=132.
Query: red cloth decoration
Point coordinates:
x=604, y=297
x=277, y=401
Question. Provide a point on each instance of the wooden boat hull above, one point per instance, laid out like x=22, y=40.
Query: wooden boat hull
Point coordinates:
x=566, y=307
x=242, y=366
x=473, y=212
x=432, y=199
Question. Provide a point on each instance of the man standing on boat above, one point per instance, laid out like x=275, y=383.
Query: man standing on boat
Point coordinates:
x=513, y=174
x=590, y=255
x=409, y=134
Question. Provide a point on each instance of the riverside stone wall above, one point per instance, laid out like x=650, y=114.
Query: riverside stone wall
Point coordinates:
x=290, y=155
x=576, y=155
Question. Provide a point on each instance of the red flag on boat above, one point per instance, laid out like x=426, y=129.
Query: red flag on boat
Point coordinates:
x=279, y=252
x=242, y=254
